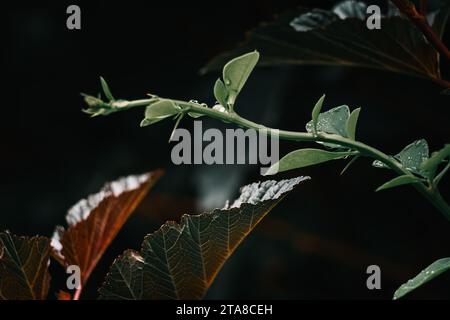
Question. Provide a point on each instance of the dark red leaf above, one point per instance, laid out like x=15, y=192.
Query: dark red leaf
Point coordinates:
x=94, y=222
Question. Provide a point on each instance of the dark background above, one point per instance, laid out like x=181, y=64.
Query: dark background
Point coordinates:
x=315, y=244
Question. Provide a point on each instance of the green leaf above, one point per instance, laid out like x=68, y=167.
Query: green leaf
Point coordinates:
x=431, y=165
x=159, y=111
x=304, y=158
x=399, y=181
x=221, y=93
x=24, y=265
x=411, y=157
x=429, y=273
x=106, y=90
x=340, y=37
x=315, y=113
x=332, y=121
x=236, y=73
x=181, y=260
x=351, y=123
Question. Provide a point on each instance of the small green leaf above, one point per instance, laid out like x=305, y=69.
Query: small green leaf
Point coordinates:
x=429, y=273
x=399, y=181
x=106, y=90
x=315, y=113
x=430, y=166
x=332, y=121
x=351, y=123
x=159, y=111
x=411, y=157
x=236, y=73
x=221, y=93
x=304, y=158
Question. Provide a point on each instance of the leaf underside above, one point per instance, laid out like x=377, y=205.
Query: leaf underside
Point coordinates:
x=24, y=267
x=341, y=37
x=181, y=260
x=94, y=222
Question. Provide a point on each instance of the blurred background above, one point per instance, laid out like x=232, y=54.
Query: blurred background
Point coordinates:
x=316, y=244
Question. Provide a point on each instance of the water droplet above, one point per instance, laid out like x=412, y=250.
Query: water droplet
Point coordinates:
x=219, y=108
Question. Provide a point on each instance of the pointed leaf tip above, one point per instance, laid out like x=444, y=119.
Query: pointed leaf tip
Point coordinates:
x=106, y=89
x=221, y=93
x=352, y=122
x=315, y=113
x=432, y=271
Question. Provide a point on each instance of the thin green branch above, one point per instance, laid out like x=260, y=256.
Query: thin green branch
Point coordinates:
x=429, y=192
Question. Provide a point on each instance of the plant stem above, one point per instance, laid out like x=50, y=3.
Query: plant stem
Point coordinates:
x=430, y=193
x=421, y=22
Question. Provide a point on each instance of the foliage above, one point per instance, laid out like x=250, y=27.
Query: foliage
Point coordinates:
x=341, y=37
x=181, y=260
x=335, y=129
x=93, y=224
